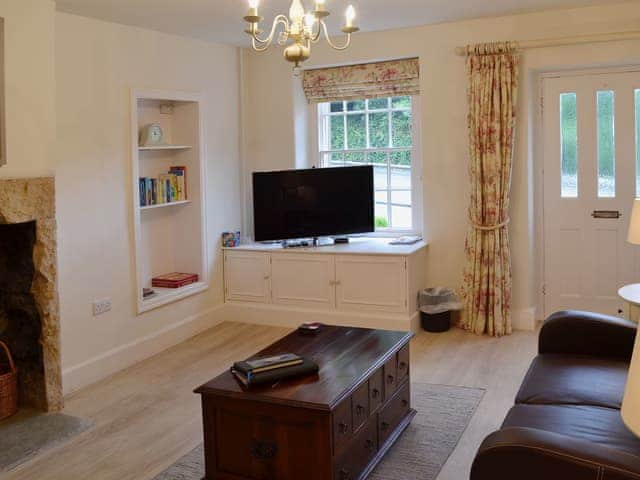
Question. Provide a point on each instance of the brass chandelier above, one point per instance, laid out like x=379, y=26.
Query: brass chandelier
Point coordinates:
x=299, y=30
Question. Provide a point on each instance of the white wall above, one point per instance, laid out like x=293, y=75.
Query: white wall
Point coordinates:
x=96, y=65
x=29, y=87
x=271, y=107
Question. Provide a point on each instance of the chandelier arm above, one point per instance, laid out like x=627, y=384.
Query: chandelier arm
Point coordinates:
x=333, y=45
x=280, y=19
x=316, y=37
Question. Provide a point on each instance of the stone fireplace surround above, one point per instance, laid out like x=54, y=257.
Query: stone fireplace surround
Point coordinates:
x=25, y=200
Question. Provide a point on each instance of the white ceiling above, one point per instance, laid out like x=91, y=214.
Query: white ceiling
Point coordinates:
x=221, y=20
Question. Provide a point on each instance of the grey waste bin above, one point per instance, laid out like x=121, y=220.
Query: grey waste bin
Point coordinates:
x=436, y=305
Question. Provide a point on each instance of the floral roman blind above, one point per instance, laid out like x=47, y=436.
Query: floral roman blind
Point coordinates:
x=369, y=80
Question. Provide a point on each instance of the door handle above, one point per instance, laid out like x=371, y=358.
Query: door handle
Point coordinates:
x=606, y=214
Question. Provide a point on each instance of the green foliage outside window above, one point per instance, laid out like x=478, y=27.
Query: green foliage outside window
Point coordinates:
x=356, y=132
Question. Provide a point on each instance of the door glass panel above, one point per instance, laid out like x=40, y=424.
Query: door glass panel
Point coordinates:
x=606, y=145
x=638, y=142
x=568, y=145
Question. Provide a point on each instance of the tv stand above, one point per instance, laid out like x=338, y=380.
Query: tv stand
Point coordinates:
x=367, y=283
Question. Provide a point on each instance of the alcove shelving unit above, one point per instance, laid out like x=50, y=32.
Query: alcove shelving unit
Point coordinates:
x=169, y=237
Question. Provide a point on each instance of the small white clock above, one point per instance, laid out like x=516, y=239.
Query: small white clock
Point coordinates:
x=151, y=135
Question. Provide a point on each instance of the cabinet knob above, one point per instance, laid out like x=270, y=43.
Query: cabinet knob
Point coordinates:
x=375, y=393
x=390, y=378
x=343, y=427
x=405, y=402
x=402, y=365
x=359, y=409
x=368, y=445
x=384, y=425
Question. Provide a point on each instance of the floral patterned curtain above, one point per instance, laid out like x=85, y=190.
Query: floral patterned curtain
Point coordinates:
x=492, y=95
x=369, y=80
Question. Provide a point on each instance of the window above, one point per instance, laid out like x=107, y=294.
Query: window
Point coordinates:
x=568, y=145
x=606, y=145
x=378, y=132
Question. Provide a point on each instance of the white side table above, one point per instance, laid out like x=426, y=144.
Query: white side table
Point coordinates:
x=631, y=295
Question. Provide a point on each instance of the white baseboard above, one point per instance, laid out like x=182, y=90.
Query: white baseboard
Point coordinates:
x=524, y=319
x=291, y=317
x=99, y=367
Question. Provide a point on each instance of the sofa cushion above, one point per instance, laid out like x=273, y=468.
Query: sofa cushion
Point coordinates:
x=574, y=380
x=599, y=425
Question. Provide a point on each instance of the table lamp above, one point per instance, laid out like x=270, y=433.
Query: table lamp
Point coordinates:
x=631, y=401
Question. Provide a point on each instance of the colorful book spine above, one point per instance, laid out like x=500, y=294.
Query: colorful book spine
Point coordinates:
x=166, y=188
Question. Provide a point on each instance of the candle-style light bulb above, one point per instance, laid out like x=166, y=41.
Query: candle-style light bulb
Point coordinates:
x=350, y=15
x=309, y=20
x=296, y=12
x=253, y=8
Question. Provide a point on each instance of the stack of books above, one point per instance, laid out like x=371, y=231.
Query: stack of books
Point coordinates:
x=269, y=370
x=166, y=188
x=174, y=280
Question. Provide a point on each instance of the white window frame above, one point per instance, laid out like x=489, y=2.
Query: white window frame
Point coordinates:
x=315, y=154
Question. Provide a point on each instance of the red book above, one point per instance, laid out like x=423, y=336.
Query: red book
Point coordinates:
x=174, y=280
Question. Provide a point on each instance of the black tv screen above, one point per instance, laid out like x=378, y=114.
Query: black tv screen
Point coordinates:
x=313, y=203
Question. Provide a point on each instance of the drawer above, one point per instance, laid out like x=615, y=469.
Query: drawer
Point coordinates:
x=362, y=449
x=393, y=412
x=376, y=383
x=342, y=424
x=390, y=377
x=360, y=406
x=403, y=363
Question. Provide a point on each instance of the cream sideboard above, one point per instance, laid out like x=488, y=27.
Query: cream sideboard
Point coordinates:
x=366, y=282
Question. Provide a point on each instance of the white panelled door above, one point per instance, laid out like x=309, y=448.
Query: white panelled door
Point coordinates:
x=591, y=175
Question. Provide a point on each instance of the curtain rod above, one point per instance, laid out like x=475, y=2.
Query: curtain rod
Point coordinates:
x=577, y=40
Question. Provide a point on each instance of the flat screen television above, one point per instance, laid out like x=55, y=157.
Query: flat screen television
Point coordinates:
x=311, y=203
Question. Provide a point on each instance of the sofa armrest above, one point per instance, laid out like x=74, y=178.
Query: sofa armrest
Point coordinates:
x=584, y=333
x=531, y=454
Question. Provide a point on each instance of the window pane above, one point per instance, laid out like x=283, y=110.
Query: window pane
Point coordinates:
x=381, y=211
x=378, y=104
x=377, y=158
x=606, y=145
x=568, y=145
x=379, y=130
x=356, y=105
x=354, y=159
x=337, y=106
x=401, y=209
x=337, y=132
x=401, y=102
x=401, y=169
x=335, y=160
x=402, y=129
x=356, y=134
x=638, y=143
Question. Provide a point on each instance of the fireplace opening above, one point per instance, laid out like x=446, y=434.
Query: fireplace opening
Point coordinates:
x=20, y=320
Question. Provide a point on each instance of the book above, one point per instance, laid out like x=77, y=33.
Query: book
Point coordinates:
x=307, y=367
x=174, y=280
x=266, y=364
x=165, y=188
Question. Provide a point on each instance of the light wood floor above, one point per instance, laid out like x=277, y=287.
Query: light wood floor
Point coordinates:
x=147, y=417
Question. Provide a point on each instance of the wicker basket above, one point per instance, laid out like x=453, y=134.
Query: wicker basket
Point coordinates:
x=8, y=387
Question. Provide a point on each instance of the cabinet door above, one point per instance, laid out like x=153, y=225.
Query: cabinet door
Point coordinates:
x=371, y=283
x=247, y=277
x=304, y=280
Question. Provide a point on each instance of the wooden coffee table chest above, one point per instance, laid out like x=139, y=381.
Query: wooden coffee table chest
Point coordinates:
x=334, y=426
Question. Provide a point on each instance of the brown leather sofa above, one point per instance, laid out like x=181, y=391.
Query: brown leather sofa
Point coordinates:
x=566, y=422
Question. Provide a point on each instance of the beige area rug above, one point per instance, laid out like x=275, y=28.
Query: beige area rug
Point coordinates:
x=30, y=432
x=420, y=453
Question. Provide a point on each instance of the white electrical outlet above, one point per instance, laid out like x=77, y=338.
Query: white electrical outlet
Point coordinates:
x=101, y=306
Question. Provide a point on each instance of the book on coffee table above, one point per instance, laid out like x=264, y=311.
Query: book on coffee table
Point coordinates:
x=264, y=364
x=307, y=367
